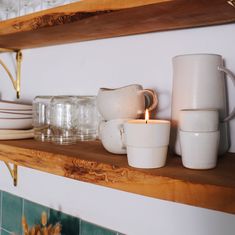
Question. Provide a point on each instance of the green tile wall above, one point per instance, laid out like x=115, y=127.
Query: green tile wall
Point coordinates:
x=11, y=212
x=88, y=228
x=12, y=208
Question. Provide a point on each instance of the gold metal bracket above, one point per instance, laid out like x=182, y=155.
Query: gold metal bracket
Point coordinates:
x=231, y=2
x=13, y=172
x=16, y=82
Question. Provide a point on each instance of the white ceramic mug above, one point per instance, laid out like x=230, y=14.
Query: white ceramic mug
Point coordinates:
x=198, y=83
x=111, y=135
x=125, y=102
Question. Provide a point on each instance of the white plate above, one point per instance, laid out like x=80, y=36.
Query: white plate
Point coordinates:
x=16, y=134
x=7, y=105
x=16, y=124
x=29, y=112
x=14, y=115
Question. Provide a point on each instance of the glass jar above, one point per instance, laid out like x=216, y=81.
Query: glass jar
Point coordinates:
x=87, y=118
x=63, y=120
x=41, y=118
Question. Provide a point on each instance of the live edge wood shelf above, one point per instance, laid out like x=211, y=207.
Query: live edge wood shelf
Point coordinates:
x=95, y=19
x=90, y=162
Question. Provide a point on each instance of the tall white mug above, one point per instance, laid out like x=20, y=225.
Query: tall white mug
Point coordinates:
x=198, y=83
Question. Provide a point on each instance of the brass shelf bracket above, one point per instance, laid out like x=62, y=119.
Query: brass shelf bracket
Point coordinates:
x=15, y=82
x=231, y=2
x=14, y=172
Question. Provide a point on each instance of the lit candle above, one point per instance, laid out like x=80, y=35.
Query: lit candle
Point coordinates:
x=146, y=116
x=147, y=145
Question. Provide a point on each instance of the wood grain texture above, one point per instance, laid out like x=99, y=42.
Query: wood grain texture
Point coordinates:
x=95, y=19
x=89, y=162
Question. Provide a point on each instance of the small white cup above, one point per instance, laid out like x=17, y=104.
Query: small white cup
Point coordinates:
x=199, y=149
x=147, y=143
x=199, y=137
x=111, y=135
x=199, y=120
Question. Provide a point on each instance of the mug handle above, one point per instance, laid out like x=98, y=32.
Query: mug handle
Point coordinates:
x=230, y=75
x=150, y=92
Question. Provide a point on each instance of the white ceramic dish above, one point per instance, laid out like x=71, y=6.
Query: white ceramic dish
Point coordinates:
x=16, y=134
x=16, y=124
x=14, y=106
x=14, y=115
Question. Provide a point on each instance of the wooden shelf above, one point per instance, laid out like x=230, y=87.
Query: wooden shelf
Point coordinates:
x=95, y=19
x=89, y=162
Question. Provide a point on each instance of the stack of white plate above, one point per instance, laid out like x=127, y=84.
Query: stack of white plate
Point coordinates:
x=15, y=120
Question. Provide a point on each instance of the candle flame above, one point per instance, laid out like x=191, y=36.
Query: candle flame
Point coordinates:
x=146, y=115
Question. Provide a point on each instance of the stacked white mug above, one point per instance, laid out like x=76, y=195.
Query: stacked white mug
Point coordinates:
x=199, y=137
x=117, y=106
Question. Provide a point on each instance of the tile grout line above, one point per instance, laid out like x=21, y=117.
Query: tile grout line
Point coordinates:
x=22, y=214
x=49, y=213
x=5, y=230
x=80, y=226
x=1, y=213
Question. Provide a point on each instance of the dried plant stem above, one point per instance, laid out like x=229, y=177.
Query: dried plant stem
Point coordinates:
x=42, y=229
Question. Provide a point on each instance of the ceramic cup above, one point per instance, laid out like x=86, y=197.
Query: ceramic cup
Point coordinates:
x=199, y=120
x=199, y=149
x=199, y=137
x=111, y=135
x=125, y=102
x=147, y=144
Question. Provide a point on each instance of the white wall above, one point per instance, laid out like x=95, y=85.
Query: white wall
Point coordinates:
x=82, y=68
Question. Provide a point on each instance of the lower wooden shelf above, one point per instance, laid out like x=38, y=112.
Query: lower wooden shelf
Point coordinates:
x=90, y=162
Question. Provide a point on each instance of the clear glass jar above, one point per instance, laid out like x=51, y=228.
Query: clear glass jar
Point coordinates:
x=87, y=118
x=41, y=118
x=63, y=119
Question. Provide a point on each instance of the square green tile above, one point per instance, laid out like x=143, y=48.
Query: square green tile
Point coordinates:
x=33, y=212
x=70, y=224
x=11, y=212
x=92, y=229
x=3, y=232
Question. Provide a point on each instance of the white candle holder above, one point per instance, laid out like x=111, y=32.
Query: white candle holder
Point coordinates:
x=147, y=142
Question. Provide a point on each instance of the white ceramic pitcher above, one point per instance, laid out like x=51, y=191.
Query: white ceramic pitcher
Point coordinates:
x=125, y=102
x=198, y=83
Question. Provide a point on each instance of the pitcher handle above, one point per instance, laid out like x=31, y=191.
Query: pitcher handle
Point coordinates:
x=152, y=93
x=230, y=75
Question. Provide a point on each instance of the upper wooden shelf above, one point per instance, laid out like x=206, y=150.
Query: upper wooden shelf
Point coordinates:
x=90, y=162
x=95, y=19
